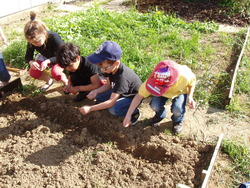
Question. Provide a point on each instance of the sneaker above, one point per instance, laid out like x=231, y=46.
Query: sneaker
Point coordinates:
x=135, y=118
x=46, y=86
x=155, y=121
x=80, y=96
x=177, y=128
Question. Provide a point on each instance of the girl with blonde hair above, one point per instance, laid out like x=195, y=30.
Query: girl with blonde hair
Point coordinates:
x=46, y=43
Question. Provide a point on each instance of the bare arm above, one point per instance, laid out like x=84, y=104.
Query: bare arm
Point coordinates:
x=95, y=83
x=101, y=89
x=134, y=104
x=191, y=101
x=104, y=105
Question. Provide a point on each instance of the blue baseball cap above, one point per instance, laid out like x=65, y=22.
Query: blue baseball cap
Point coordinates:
x=107, y=50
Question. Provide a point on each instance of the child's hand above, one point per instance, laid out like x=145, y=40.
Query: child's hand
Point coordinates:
x=127, y=121
x=44, y=65
x=92, y=95
x=34, y=65
x=67, y=88
x=191, y=102
x=85, y=110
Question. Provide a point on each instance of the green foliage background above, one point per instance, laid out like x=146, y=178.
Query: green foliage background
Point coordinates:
x=145, y=39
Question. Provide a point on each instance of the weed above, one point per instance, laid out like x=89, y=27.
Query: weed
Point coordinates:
x=167, y=132
x=92, y=155
x=30, y=90
x=14, y=54
x=240, y=104
x=240, y=155
x=110, y=144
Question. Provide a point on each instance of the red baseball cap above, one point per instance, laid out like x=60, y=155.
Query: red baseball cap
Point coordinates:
x=164, y=75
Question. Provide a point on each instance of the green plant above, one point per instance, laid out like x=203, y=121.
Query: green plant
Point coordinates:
x=145, y=39
x=111, y=144
x=29, y=90
x=14, y=54
x=240, y=155
x=141, y=36
x=243, y=78
x=240, y=105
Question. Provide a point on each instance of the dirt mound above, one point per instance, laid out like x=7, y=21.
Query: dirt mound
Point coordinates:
x=46, y=142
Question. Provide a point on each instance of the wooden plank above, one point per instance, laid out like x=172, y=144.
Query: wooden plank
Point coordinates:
x=10, y=86
x=236, y=68
x=207, y=173
x=13, y=69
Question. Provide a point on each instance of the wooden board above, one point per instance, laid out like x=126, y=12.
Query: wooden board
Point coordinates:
x=10, y=86
x=236, y=68
x=206, y=173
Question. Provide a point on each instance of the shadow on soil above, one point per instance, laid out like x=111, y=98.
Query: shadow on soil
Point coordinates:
x=61, y=114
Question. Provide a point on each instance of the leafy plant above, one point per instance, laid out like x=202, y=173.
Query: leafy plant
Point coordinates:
x=141, y=36
x=14, y=54
x=240, y=155
x=30, y=90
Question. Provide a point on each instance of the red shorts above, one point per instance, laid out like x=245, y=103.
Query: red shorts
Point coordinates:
x=56, y=72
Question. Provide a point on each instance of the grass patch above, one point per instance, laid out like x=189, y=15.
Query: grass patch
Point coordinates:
x=14, y=54
x=240, y=155
x=240, y=104
x=147, y=39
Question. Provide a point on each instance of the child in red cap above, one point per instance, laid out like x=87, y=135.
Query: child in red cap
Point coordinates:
x=168, y=80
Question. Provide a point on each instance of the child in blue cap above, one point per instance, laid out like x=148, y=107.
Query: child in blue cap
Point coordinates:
x=121, y=86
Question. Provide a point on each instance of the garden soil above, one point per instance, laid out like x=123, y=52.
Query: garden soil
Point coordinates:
x=46, y=142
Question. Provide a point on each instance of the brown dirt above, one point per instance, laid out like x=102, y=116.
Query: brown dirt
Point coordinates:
x=206, y=10
x=46, y=142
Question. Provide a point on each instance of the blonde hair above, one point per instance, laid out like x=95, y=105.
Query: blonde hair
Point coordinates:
x=34, y=27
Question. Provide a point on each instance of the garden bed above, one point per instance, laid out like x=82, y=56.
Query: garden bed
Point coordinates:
x=47, y=142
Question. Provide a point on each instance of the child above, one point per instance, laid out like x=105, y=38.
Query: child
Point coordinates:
x=122, y=83
x=83, y=76
x=4, y=74
x=168, y=80
x=46, y=43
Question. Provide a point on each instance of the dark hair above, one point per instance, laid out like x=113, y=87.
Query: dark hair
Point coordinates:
x=110, y=62
x=66, y=54
x=34, y=27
